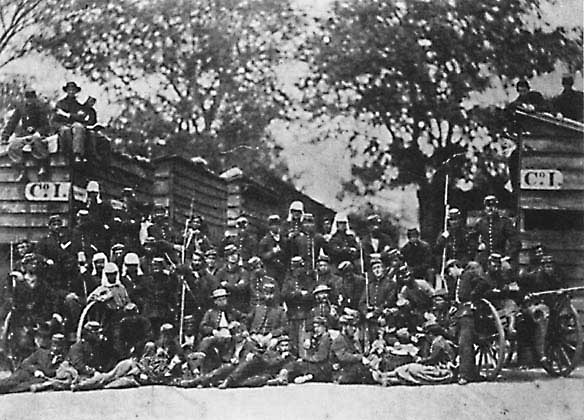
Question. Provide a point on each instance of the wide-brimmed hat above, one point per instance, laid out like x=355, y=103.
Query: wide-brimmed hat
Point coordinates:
x=71, y=85
x=321, y=288
x=219, y=293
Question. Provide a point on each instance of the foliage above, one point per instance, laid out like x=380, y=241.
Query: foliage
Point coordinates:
x=196, y=73
x=410, y=67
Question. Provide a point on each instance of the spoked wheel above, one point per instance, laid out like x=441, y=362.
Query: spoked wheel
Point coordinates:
x=490, y=345
x=563, y=345
x=93, y=311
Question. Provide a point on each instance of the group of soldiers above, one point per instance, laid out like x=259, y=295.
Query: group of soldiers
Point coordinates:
x=122, y=300
x=70, y=126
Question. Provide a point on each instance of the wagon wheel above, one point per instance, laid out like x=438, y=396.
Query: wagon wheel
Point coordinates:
x=563, y=345
x=6, y=343
x=490, y=345
x=93, y=311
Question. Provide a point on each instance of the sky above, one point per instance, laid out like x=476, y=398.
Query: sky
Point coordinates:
x=318, y=167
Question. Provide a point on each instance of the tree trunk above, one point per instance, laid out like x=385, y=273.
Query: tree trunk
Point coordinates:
x=431, y=209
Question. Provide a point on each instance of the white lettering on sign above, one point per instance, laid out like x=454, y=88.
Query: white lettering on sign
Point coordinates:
x=47, y=191
x=541, y=179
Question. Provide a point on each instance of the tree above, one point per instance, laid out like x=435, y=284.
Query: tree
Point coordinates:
x=410, y=67
x=198, y=74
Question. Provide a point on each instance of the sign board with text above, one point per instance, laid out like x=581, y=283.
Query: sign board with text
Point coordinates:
x=47, y=191
x=541, y=179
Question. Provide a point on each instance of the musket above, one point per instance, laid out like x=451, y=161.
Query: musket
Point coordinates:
x=186, y=243
x=366, y=275
x=558, y=291
x=440, y=282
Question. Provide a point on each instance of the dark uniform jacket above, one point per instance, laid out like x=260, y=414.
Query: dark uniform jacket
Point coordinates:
x=349, y=289
x=383, y=242
x=309, y=246
x=319, y=351
x=237, y=284
x=84, y=357
x=345, y=351
x=257, y=279
x=160, y=299
x=23, y=117
x=71, y=106
x=268, y=320
x=496, y=232
x=212, y=318
x=458, y=245
x=382, y=295
x=297, y=293
x=274, y=261
x=343, y=247
x=324, y=309
x=418, y=256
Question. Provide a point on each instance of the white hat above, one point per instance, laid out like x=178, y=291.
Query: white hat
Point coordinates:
x=110, y=268
x=297, y=206
x=131, y=258
x=92, y=186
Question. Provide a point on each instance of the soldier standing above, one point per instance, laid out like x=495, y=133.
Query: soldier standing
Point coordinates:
x=234, y=278
x=456, y=239
x=272, y=252
x=418, y=255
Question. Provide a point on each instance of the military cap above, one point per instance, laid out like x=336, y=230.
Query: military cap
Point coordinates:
x=30, y=93
x=254, y=260
x=274, y=219
x=58, y=339
x=92, y=186
x=235, y=326
x=404, y=271
x=321, y=288
x=71, y=86
x=219, y=293
x=189, y=319
x=167, y=328
x=431, y=326
x=490, y=199
x=413, y=231
x=54, y=218
x=130, y=307
x=347, y=319
x=351, y=312
x=282, y=339
x=17, y=275
x=451, y=262
x=374, y=219
x=453, y=213
x=118, y=247
x=323, y=257
x=375, y=259
x=547, y=259
x=230, y=249
x=127, y=191
x=345, y=266
x=30, y=257
x=308, y=217
x=319, y=320
x=210, y=253
x=158, y=260
x=98, y=256
x=297, y=259
x=269, y=287
x=495, y=256
x=82, y=213
x=92, y=326
x=149, y=240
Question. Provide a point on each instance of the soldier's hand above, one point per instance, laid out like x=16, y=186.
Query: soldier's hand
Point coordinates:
x=482, y=246
x=39, y=374
x=223, y=284
x=445, y=234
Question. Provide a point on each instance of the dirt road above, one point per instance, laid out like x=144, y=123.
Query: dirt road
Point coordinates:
x=521, y=395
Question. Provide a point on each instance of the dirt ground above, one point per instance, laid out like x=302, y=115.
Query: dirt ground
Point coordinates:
x=520, y=395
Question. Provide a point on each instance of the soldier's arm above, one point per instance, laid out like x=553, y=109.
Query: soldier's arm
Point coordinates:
x=205, y=328
x=11, y=125
x=342, y=354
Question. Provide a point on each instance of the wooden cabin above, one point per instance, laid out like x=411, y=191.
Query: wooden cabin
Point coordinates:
x=551, y=190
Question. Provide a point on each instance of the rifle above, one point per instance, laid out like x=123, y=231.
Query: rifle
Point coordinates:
x=186, y=243
x=557, y=291
x=366, y=275
x=440, y=281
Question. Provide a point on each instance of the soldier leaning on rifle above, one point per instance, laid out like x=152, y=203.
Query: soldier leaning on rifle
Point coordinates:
x=297, y=293
x=257, y=279
x=272, y=252
x=547, y=277
x=495, y=233
x=379, y=299
x=456, y=239
x=29, y=122
x=350, y=286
